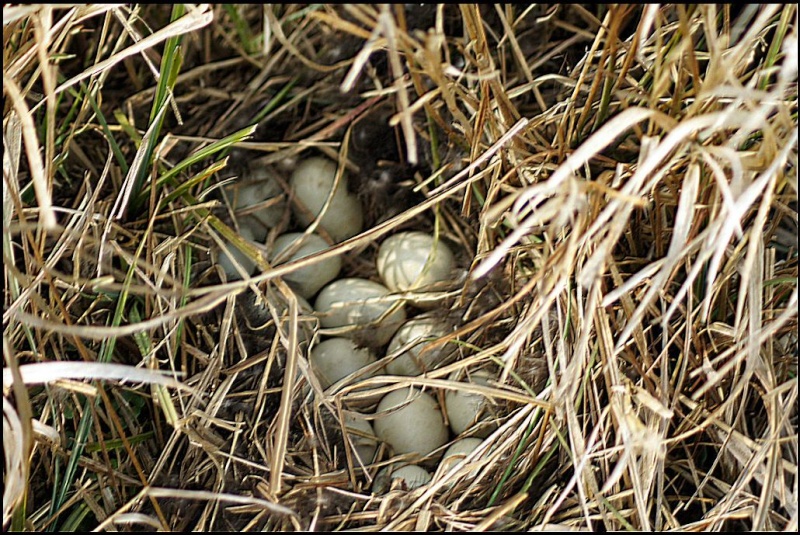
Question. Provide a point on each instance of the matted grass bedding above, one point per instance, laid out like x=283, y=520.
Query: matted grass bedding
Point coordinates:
x=618, y=185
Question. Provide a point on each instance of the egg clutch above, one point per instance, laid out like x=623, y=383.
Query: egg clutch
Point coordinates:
x=359, y=317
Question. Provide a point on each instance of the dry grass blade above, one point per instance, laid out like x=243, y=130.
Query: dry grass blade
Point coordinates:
x=102, y=333
x=45, y=372
x=37, y=167
x=197, y=17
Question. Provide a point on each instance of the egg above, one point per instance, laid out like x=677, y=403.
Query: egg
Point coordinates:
x=457, y=451
x=337, y=358
x=257, y=202
x=414, y=335
x=362, y=437
x=235, y=262
x=410, y=421
x=413, y=260
x=306, y=281
x=464, y=408
x=360, y=302
x=407, y=477
x=312, y=182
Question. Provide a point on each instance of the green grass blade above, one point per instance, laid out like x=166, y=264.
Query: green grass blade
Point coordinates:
x=104, y=355
x=127, y=127
x=170, y=66
x=120, y=158
x=61, y=491
x=776, y=45
x=76, y=518
x=275, y=101
x=199, y=178
x=145, y=346
x=118, y=443
x=246, y=38
x=197, y=157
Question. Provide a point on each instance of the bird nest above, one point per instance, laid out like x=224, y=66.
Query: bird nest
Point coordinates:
x=618, y=187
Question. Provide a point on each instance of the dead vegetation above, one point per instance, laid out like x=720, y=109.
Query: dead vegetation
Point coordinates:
x=620, y=183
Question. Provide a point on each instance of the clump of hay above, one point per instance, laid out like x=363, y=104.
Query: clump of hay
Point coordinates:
x=621, y=186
